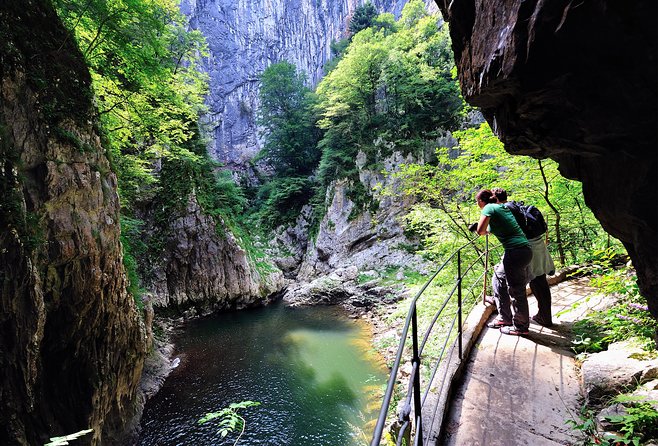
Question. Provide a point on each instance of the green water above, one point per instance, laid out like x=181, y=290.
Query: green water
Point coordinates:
x=312, y=370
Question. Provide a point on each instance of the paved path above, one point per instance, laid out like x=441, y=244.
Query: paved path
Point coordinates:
x=521, y=390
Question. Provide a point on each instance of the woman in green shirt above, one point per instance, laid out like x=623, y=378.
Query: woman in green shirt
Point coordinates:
x=499, y=221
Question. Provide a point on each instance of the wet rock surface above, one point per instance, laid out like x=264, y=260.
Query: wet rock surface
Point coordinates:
x=341, y=288
x=203, y=268
x=72, y=344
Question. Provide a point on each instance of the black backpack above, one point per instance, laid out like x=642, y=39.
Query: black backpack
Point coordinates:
x=528, y=217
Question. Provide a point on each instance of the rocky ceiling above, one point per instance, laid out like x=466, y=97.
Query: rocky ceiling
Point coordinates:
x=575, y=81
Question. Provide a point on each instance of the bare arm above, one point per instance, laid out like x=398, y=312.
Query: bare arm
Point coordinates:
x=483, y=224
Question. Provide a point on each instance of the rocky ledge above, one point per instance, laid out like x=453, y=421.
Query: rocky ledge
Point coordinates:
x=609, y=373
x=341, y=287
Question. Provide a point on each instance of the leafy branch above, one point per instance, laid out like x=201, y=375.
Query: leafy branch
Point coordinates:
x=228, y=419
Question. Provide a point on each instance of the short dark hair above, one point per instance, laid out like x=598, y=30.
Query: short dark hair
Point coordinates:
x=499, y=193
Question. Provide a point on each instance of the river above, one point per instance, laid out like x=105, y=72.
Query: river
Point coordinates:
x=312, y=370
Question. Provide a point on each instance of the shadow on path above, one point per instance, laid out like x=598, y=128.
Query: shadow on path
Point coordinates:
x=521, y=390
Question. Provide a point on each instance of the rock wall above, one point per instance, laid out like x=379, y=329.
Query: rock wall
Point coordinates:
x=245, y=37
x=71, y=342
x=575, y=82
x=201, y=270
x=368, y=240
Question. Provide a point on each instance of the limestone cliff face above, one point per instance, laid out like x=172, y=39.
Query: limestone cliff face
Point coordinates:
x=198, y=270
x=245, y=37
x=71, y=342
x=368, y=240
x=575, y=82
x=201, y=271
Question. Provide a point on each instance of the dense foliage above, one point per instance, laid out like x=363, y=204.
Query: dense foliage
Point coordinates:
x=446, y=190
x=287, y=116
x=149, y=92
x=289, y=121
x=627, y=318
x=147, y=87
x=392, y=90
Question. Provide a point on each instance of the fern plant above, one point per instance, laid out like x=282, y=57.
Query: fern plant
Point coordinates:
x=229, y=419
x=586, y=423
x=638, y=424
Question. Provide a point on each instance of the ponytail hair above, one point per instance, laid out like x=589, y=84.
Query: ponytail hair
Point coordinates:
x=486, y=196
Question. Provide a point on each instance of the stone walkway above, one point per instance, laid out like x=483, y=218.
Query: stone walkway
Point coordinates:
x=522, y=390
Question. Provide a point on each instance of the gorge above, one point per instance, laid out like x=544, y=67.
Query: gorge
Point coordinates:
x=244, y=38
x=550, y=79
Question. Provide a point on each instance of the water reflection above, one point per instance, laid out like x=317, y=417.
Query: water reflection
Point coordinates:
x=307, y=367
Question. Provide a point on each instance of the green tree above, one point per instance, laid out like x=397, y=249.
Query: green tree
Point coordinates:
x=338, y=48
x=193, y=173
x=280, y=199
x=385, y=22
x=363, y=17
x=347, y=105
x=288, y=118
x=413, y=12
x=149, y=92
x=480, y=161
x=392, y=90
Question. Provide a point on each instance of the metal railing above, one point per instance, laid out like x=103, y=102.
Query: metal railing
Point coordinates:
x=412, y=405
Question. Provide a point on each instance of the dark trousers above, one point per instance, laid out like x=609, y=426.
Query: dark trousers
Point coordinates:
x=542, y=292
x=509, y=282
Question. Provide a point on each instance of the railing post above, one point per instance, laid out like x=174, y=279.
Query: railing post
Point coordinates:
x=486, y=268
x=416, y=361
x=459, y=303
x=403, y=433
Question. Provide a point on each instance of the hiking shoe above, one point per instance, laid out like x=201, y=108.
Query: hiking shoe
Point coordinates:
x=497, y=323
x=541, y=321
x=509, y=330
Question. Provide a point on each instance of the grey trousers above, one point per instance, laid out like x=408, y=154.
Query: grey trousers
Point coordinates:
x=509, y=281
